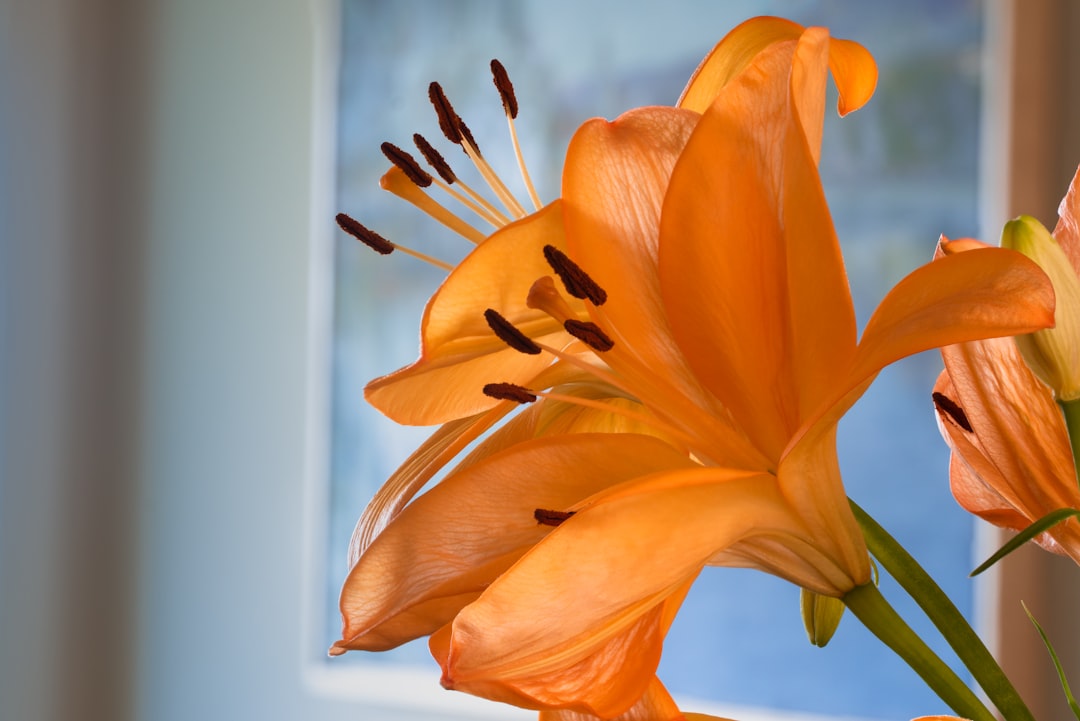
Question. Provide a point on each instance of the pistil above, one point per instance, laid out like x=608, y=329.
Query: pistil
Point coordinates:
x=577, y=282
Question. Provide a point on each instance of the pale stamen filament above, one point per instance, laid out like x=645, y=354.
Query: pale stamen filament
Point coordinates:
x=643, y=418
x=407, y=164
x=438, y=163
x=598, y=372
x=424, y=257
x=676, y=403
x=521, y=165
x=380, y=244
x=457, y=132
x=613, y=380
x=546, y=297
x=474, y=202
x=521, y=395
x=492, y=179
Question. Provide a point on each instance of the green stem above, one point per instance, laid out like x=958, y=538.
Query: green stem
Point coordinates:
x=1071, y=409
x=944, y=614
x=870, y=607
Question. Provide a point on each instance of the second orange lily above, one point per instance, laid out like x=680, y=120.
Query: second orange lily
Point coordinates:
x=1012, y=463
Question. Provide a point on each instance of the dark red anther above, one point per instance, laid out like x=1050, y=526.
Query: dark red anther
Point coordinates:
x=547, y=517
x=434, y=158
x=368, y=237
x=952, y=409
x=577, y=282
x=590, y=334
x=505, y=88
x=509, y=392
x=407, y=164
x=510, y=335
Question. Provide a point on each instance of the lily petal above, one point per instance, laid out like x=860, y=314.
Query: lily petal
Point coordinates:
x=973, y=477
x=627, y=559
x=853, y=68
x=972, y=295
x=731, y=56
x=655, y=704
x=603, y=683
x=614, y=183
x=809, y=477
x=459, y=353
x=435, y=453
x=854, y=72
x=1067, y=230
x=749, y=253
x=1015, y=465
x=470, y=527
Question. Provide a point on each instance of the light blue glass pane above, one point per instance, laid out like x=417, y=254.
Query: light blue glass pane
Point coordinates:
x=897, y=173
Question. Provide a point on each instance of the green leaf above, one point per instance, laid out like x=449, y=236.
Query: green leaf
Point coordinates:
x=946, y=617
x=1057, y=664
x=1049, y=520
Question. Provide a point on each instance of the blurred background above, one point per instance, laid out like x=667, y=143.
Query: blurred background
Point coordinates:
x=173, y=358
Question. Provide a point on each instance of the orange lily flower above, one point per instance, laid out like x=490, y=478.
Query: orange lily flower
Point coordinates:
x=731, y=321
x=1012, y=462
x=729, y=327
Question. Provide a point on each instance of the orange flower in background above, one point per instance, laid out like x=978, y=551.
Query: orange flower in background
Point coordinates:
x=1012, y=463
x=1011, y=460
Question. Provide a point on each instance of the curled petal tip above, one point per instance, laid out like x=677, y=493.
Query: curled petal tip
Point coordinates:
x=960, y=245
x=854, y=72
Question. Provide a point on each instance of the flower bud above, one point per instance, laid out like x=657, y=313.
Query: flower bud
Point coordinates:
x=821, y=616
x=1053, y=353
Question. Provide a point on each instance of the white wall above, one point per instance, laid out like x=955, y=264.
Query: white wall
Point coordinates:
x=69, y=213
